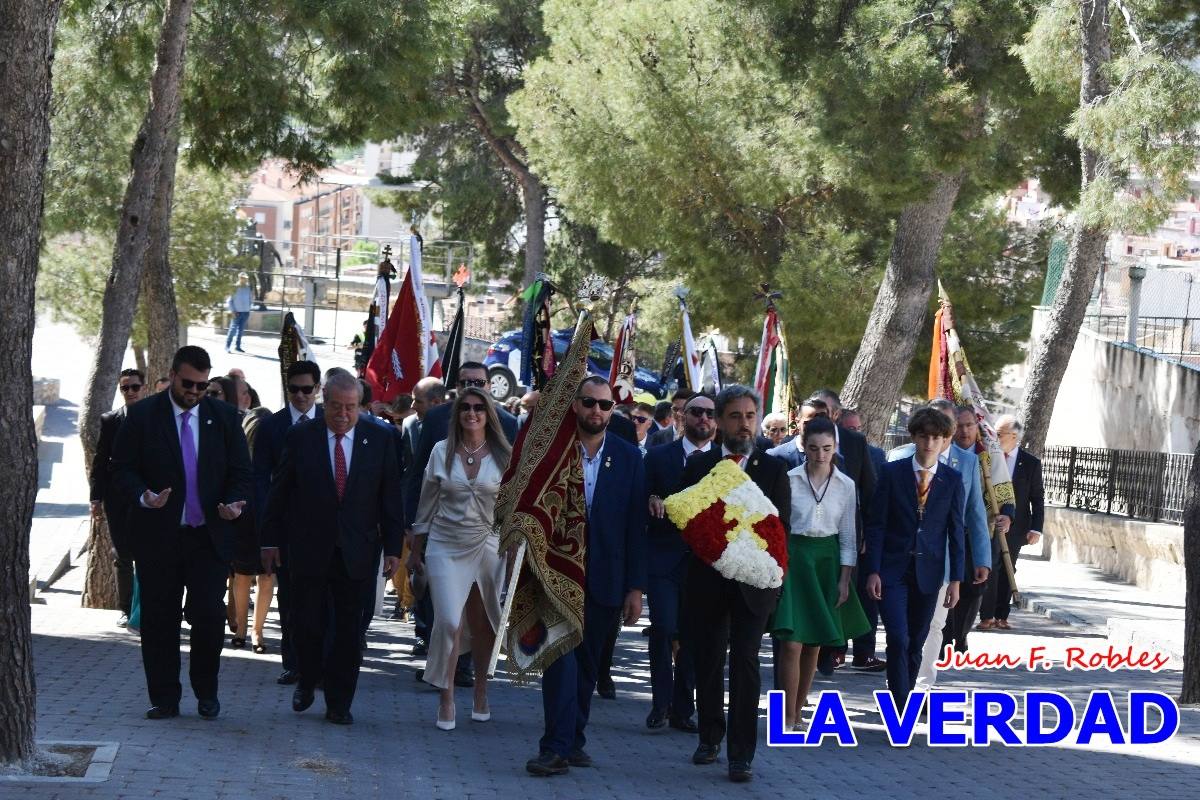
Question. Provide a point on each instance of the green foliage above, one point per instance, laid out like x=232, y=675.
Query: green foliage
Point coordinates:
x=203, y=228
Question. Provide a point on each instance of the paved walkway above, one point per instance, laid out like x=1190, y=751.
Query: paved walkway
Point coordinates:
x=90, y=688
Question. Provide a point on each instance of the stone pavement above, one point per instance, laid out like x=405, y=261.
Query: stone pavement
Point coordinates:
x=91, y=688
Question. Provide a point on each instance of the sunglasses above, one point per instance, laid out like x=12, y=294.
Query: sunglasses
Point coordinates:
x=591, y=402
x=639, y=419
x=702, y=412
x=131, y=387
x=198, y=385
x=478, y=408
x=476, y=383
x=294, y=389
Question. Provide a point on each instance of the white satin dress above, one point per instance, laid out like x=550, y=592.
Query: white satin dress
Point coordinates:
x=462, y=551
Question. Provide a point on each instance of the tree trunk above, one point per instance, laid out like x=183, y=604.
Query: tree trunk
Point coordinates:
x=100, y=580
x=1191, y=568
x=534, y=196
x=26, y=53
x=1052, y=352
x=898, y=316
x=158, y=286
x=151, y=148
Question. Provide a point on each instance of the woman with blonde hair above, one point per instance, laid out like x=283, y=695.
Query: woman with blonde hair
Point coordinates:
x=456, y=537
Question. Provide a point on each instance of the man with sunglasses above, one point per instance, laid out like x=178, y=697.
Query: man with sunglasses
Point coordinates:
x=303, y=384
x=642, y=418
x=435, y=428
x=110, y=505
x=615, y=575
x=181, y=460
x=673, y=686
x=669, y=434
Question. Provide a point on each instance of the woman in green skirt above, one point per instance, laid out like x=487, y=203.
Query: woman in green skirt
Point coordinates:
x=817, y=607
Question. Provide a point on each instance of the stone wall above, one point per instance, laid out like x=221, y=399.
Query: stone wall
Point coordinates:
x=1118, y=397
x=1147, y=554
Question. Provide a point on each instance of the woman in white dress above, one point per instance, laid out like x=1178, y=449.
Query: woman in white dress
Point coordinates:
x=455, y=534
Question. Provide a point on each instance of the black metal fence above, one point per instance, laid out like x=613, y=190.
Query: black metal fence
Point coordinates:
x=1131, y=483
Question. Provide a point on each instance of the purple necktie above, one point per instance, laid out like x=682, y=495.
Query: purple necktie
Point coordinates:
x=193, y=513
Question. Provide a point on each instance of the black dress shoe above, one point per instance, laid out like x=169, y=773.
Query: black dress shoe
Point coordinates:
x=302, y=698
x=605, y=688
x=288, y=677
x=656, y=719
x=463, y=679
x=739, y=771
x=421, y=648
x=547, y=763
x=208, y=709
x=685, y=725
x=825, y=663
x=705, y=754
x=162, y=712
x=578, y=758
x=871, y=664
x=339, y=717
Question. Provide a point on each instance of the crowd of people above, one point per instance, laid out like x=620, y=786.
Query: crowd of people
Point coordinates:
x=208, y=496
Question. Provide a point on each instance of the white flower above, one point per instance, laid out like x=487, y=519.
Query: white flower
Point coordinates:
x=743, y=561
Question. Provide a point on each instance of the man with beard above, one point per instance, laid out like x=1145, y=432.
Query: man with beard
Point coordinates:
x=181, y=460
x=673, y=689
x=726, y=616
x=614, y=492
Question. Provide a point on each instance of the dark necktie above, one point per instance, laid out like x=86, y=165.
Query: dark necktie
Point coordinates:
x=339, y=465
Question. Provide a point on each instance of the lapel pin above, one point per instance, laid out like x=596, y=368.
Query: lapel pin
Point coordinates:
x=607, y=461
x=364, y=441
x=208, y=422
x=754, y=463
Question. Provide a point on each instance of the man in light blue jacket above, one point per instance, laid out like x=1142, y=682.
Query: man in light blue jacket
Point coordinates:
x=239, y=305
x=979, y=550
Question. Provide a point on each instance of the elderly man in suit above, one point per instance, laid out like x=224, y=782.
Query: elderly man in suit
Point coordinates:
x=1026, y=471
x=428, y=394
x=915, y=546
x=181, y=460
x=973, y=518
x=727, y=617
x=672, y=686
x=303, y=384
x=113, y=506
x=615, y=495
x=333, y=505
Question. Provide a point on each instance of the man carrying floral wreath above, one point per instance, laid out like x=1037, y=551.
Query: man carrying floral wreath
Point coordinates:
x=727, y=614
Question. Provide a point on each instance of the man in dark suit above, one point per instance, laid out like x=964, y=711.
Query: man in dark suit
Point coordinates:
x=672, y=687
x=303, y=384
x=914, y=535
x=333, y=506
x=428, y=394
x=675, y=430
x=726, y=616
x=181, y=460
x=1026, y=471
x=110, y=505
x=435, y=428
x=614, y=489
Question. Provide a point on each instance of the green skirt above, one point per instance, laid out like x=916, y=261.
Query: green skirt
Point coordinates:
x=807, y=610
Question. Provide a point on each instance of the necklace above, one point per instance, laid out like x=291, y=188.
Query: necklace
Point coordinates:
x=471, y=453
x=819, y=514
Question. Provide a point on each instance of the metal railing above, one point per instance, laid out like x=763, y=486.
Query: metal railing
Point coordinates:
x=1168, y=336
x=1132, y=483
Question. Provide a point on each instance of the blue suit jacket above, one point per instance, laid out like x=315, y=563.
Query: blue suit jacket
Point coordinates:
x=616, y=547
x=897, y=536
x=975, y=522
x=666, y=550
x=268, y=450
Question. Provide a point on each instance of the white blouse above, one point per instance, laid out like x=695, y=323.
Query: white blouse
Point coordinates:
x=834, y=516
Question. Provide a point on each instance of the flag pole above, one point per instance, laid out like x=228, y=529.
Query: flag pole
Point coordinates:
x=510, y=588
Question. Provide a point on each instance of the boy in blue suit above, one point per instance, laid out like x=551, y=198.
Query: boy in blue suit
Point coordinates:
x=614, y=488
x=916, y=520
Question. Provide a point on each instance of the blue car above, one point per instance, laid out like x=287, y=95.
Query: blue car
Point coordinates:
x=503, y=361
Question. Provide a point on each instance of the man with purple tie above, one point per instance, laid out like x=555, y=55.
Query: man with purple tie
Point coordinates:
x=181, y=459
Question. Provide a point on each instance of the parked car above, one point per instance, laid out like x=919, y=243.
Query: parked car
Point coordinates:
x=503, y=361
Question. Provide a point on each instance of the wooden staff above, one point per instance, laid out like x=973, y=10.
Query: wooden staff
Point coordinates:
x=509, y=592
x=1008, y=565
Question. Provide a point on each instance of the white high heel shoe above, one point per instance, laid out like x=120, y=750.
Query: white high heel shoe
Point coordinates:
x=445, y=724
x=480, y=716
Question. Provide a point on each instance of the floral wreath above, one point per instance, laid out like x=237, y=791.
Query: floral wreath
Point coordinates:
x=731, y=525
